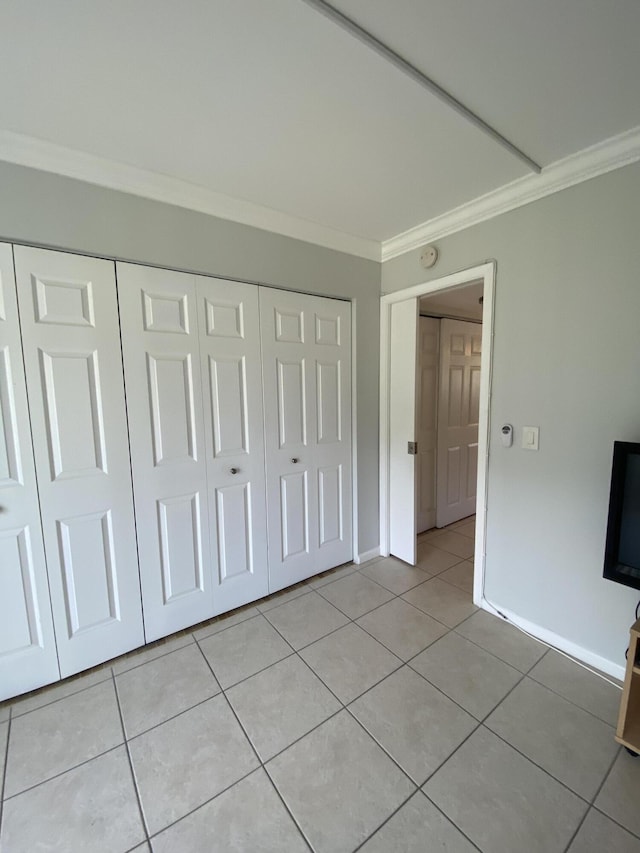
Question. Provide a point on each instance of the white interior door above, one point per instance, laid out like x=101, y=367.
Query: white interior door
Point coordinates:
x=306, y=348
x=427, y=406
x=69, y=318
x=27, y=643
x=166, y=424
x=402, y=430
x=458, y=415
x=234, y=432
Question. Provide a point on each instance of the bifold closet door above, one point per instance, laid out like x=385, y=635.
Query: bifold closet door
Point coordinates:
x=69, y=318
x=234, y=429
x=27, y=643
x=191, y=350
x=306, y=348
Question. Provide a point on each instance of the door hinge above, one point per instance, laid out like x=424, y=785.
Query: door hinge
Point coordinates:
x=412, y=448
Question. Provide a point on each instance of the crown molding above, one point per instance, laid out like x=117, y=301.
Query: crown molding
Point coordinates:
x=49, y=157
x=603, y=157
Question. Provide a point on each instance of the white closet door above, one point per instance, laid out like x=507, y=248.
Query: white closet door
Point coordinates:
x=27, y=643
x=69, y=317
x=166, y=424
x=306, y=347
x=234, y=432
x=458, y=416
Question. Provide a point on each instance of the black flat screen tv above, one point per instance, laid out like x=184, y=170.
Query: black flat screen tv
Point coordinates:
x=622, y=551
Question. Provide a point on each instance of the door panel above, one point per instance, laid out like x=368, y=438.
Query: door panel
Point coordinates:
x=27, y=642
x=402, y=429
x=307, y=387
x=459, y=406
x=234, y=430
x=427, y=427
x=69, y=318
x=166, y=426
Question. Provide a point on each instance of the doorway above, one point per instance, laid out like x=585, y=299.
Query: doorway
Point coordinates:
x=415, y=449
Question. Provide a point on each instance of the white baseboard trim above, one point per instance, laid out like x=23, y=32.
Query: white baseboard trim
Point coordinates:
x=366, y=556
x=556, y=641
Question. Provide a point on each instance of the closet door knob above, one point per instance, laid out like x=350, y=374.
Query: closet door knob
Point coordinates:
x=294, y=460
x=234, y=470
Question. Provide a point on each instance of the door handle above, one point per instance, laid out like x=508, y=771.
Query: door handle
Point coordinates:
x=295, y=460
x=234, y=470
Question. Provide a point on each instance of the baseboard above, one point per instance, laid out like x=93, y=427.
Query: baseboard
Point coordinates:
x=366, y=556
x=556, y=641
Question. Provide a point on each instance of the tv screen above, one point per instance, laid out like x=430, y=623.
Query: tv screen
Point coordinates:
x=622, y=551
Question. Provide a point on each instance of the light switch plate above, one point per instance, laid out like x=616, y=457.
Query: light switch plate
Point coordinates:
x=530, y=437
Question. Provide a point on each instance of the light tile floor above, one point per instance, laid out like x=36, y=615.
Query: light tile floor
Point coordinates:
x=372, y=708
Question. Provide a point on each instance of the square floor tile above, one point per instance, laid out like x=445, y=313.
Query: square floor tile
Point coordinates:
x=247, y=817
x=338, y=784
x=188, y=760
x=225, y=621
x=355, y=595
x=620, y=794
x=304, y=620
x=460, y=576
x=415, y=723
x=467, y=674
x=571, y=744
x=599, y=834
x=280, y=598
x=467, y=529
x=91, y=808
x=280, y=704
x=402, y=628
x=418, y=827
x=59, y=690
x=4, y=731
x=349, y=661
x=433, y=560
x=503, y=802
x=152, y=693
x=393, y=575
x=5, y=711
x=55, y=738
x=151, y=652
x=578, y=685
x=332, y=575
x=457, y=544
x=243, y=650
x=504, y=641
x=444, y=602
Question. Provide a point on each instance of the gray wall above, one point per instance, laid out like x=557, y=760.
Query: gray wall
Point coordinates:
x=566, y=358
x=49, y=210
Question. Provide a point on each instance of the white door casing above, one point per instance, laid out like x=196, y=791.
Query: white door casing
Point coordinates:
x=27, y=643
x=306, y=353
x=402, y=408
x=73, y=363
x=229, y=322
x=160, y=342
x=458, y=416
x=427, y=431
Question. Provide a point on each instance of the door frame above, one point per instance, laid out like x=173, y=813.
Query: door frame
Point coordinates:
x=487, y=273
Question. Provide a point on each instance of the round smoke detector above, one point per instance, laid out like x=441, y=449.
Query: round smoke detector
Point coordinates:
x=428, y=257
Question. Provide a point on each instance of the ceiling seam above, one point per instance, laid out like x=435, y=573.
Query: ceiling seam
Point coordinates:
x=395, y=59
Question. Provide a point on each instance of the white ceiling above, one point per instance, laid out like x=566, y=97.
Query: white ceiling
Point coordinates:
x=459, y=302
x=273, y=104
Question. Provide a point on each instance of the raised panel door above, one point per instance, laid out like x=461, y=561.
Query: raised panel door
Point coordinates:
x=166, y=425
x=306, y=352
x=27, y=643
x=69, y=318
x=234, y=439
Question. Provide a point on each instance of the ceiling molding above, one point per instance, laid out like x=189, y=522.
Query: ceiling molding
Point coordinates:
x=597, y=160
x=48, y=157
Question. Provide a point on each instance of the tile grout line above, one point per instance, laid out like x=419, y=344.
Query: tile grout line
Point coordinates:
x=255, y=751
x=134, y=778
x=593, y=799
x=15, y=714
x=4, y=771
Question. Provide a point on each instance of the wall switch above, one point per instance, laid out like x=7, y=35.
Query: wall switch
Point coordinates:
x=530, y=437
